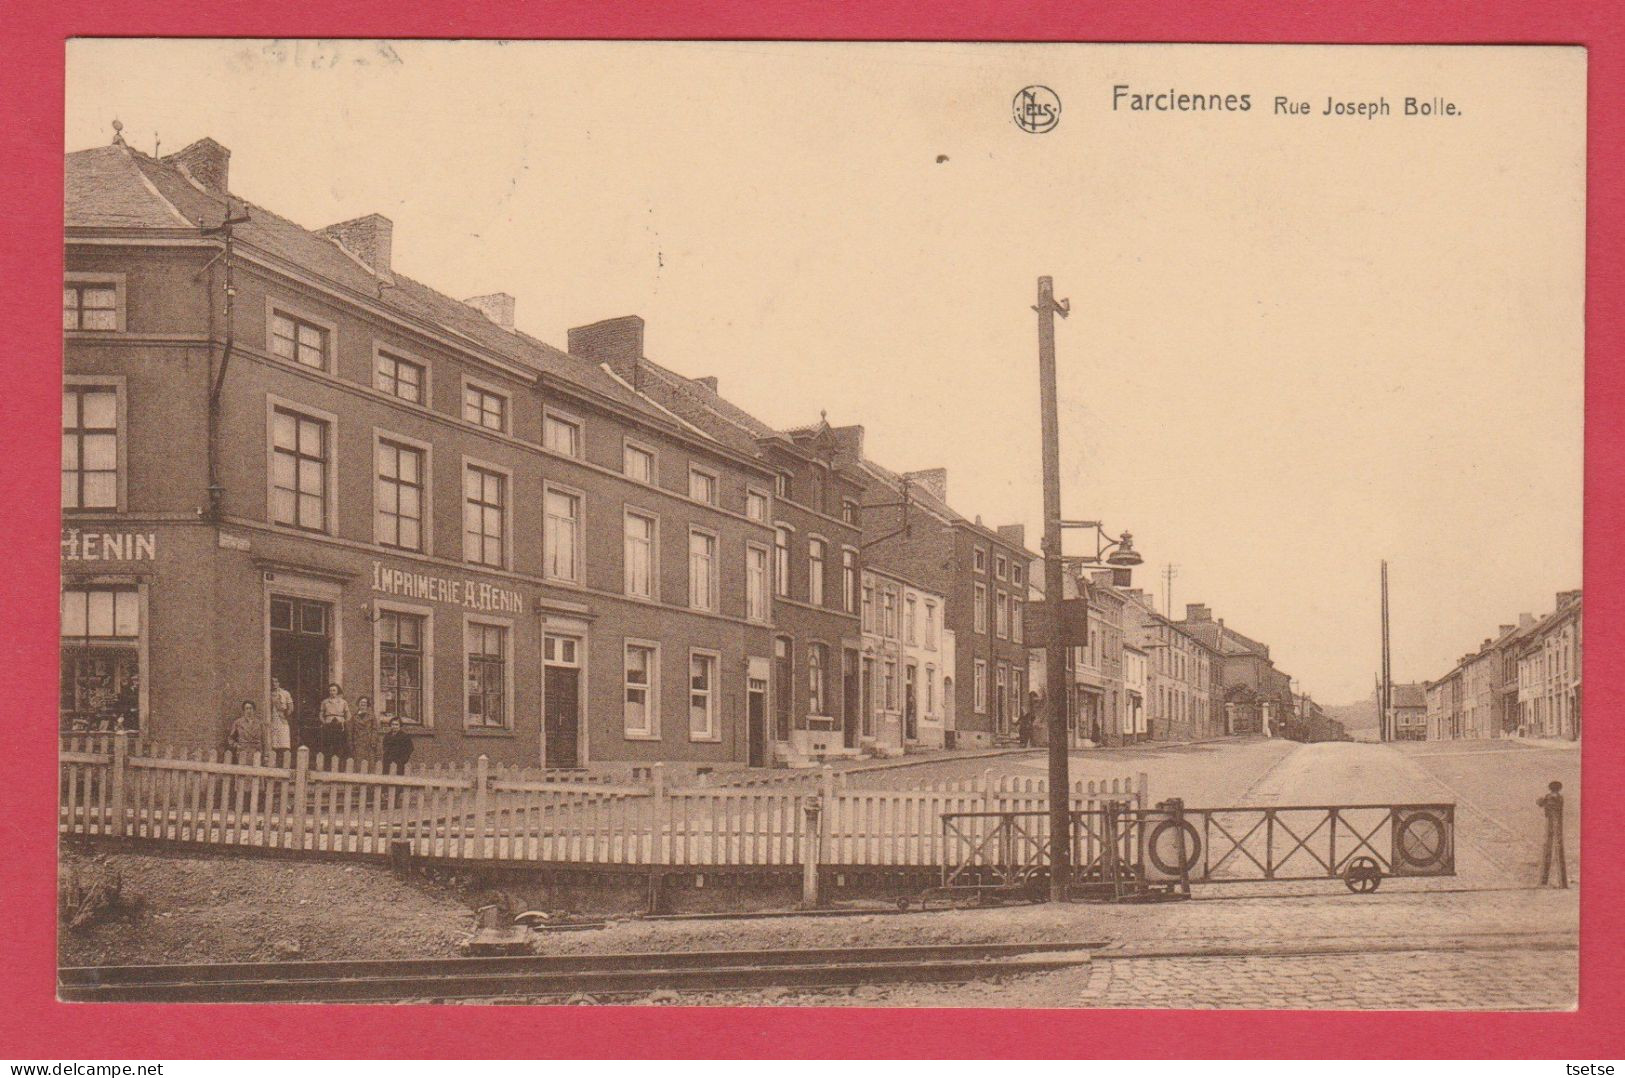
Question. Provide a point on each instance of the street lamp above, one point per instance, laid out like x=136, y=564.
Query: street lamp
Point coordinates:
x=1117, y=553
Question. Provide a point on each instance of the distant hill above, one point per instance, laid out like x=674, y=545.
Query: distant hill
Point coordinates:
x=1358, y=718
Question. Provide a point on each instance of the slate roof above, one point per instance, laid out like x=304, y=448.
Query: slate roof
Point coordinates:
x=105, y=188
x=118, y=186
x=1224, y=640
x=697, y=403
x=1412, y=695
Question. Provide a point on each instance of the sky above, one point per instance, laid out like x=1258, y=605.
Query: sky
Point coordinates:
x=1299, y=344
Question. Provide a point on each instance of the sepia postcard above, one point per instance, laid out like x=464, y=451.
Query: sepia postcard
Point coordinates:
x=822, y=524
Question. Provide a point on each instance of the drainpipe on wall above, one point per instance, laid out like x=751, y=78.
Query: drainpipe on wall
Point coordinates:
x=217, y=493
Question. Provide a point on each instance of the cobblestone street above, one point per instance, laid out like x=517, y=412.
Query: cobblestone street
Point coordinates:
x=1484, y=939
x=1489, y=980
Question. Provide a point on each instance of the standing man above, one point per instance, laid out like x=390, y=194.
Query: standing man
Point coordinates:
x=1029, y=720
x=1553, y=804
x=281, y=723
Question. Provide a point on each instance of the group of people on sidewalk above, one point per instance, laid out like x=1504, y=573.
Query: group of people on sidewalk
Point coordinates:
x=337, y=732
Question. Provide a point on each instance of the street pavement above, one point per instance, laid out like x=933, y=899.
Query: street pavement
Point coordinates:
x=1488, y=938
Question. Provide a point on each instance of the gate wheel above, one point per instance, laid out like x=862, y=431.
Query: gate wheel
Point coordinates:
x=1363, y=875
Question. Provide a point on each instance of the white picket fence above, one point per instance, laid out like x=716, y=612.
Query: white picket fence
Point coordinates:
x=116, y=786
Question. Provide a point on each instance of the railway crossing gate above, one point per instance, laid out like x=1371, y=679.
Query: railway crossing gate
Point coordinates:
x=1120, y=852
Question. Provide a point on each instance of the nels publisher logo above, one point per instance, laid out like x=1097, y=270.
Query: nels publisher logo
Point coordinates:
x=1036, y=109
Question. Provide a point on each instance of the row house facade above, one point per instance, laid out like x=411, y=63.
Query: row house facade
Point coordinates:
x=1098, y=666
x=1523, y=682
x=282, y=459
x=1256, y=696
x=1181, y=701
x=907, y=675
x=1481, y=692
x=811, y=565
x=1409, y=706
x=1444, y=720
x=1549, y=673
x=980, y=573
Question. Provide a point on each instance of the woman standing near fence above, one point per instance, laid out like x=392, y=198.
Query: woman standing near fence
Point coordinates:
x=334, y=740
x=364, y=730
x=245, y=736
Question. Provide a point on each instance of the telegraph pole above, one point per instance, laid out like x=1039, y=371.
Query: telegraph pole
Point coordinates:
x=1385, y=697
x=1169, y=572
x=1060, y=781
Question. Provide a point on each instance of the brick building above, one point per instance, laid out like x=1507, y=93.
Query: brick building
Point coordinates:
x=1524, y=681
x=1255, y=694
x=907, y=658
x=810, y=500
x=1444, y=707
x=981, y=575
x=1549, y=660
x=282, y=458
x=1409, y=706
x=1182, y=705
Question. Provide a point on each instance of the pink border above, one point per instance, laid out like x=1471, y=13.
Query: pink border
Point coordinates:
x=31, y=72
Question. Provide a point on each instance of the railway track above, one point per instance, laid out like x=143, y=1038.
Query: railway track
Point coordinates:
x=561, y=976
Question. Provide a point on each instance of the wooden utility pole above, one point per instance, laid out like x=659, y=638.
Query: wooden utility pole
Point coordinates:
x=1060, y=781
x=1385, y=697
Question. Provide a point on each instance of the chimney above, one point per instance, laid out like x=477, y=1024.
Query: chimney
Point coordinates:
x=1198, y=612
x=1564, y=598
x=370, y=238
x=205, y=161
x=848, y=442
x=1504, y=629
x=1013, y=533
x=617, y=342
x=498, y=307
x=709, y=382
x=1525, y=620
x=935, y=480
